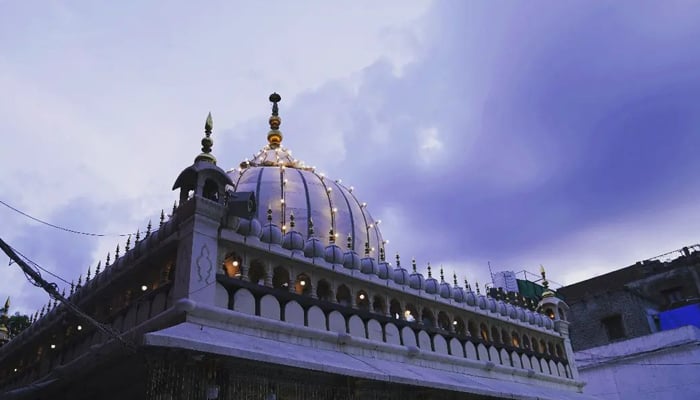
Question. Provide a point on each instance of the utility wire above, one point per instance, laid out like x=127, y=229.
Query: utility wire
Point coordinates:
x=38, y=266
x=60, y=227
x=51, y=288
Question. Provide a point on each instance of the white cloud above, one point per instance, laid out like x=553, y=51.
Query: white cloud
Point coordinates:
x=429, y=144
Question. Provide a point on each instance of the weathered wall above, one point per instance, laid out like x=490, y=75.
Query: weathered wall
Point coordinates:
x=662, y=365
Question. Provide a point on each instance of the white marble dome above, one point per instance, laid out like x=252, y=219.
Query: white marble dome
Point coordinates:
x=284, y=186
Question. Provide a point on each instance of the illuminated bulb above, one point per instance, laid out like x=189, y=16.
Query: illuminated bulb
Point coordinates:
x=302, y=283
x=144, y=288
x=379, y=221
x=335, y=210
x=371, y=225
x=282, y=201
x=372, y=248
x=15, y=369
x=329, y=189
x=322, y=174
x=362, y=296
x=80, y=327
x=386, y=242
x=454, y=322
x=351, y=188
x=336, y=235
x=286, y=180
x=364, y=204
x=235, y=263
x=53, y=346
x=284, y=227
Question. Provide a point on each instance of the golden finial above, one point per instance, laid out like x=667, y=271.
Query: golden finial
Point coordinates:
x=546, y=292
x=274, y=137
x=207, y=143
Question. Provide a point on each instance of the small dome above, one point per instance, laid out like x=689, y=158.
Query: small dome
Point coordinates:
x=313, y=248
x=368, y=265
x=531, y=318
x=333, y=254
x=491, y=304
x=416, y=281
x=445, y=290
x=481, y=301
x=351, y=260
x=384, y=270
x=400, y=275
x=470, y=298
x=512, y=311
x=250, y=227
x=272, y=234
x=539, y=320
x=293, y=240
x=431, y=284
x=458, y=294
x=502, y=308
x=548, y=323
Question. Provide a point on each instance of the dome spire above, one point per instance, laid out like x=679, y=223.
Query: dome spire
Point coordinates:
x=207, y=143
x=547, y=292
x=274, y=137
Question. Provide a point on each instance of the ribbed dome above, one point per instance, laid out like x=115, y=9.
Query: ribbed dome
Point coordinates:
x=431, y=284
x=287, y=187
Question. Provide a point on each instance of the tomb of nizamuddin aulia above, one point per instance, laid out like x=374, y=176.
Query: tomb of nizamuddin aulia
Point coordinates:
x=271, y=281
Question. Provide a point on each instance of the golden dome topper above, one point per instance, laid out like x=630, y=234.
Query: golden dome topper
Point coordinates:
x=274, y=137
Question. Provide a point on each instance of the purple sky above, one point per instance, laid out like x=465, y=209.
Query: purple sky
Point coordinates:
x=553, y=133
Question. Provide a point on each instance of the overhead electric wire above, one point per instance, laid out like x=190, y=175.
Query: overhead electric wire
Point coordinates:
x=38, y=266
x=61, y=227
x=51, y=288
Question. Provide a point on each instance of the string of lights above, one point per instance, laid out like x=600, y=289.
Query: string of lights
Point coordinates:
x=61, y=227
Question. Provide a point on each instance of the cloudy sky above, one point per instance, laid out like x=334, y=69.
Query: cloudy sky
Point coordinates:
x=555, y=133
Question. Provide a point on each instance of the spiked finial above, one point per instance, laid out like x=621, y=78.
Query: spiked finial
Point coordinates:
x=382, y=254
x=80, y=282
x=174, y=208
x=442, y=275
x=148, y=229
x=454, y=277
x=116, y=252
x=398, y=261
x=466, y=285
x=269, y=215
x=331, y=236
x=207, y=142
x=349, y=242
x=87, y=277
x=367, y=249
x=413, y=263
x=311, y=227
x=43, y=310
x=162, y=218
x=97, y=269
x=63, y=292
x=546, y=292
x=291, y=221
x=72, y=288
x=430, y=271
x=477, y=287
x=128, y=244
x=274, y=137
x=138, y=235
x=108, y=260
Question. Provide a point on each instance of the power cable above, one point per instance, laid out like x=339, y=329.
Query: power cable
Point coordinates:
x=51, y=288
x=60, y=227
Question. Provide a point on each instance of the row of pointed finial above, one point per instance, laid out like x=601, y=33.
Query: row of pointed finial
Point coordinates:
x=76, y=286
x=467, y=286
